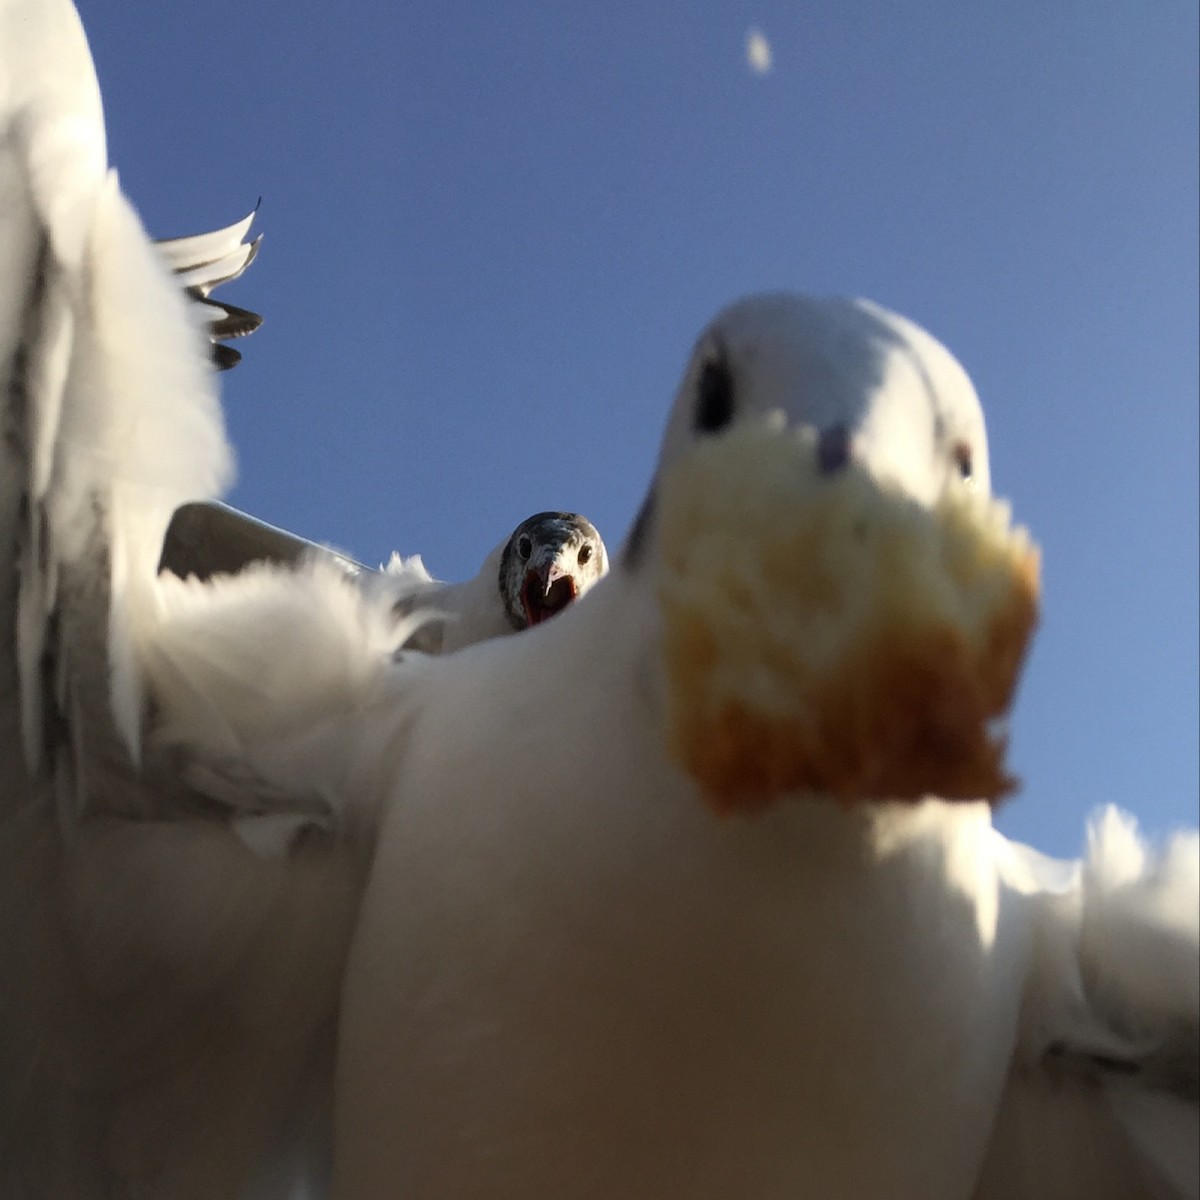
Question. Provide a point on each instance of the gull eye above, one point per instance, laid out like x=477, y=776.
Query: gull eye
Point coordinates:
x=962, y=460
x=585, y=554
x=524, y=548
x=714, y=396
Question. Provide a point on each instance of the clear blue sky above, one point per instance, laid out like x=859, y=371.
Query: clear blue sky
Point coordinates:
x=493, y=230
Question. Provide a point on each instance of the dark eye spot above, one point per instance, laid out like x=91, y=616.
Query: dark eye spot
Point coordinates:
x=585, y=554
x=833, y=449
x=524, y=548
x=962, y=459
x=714, y=396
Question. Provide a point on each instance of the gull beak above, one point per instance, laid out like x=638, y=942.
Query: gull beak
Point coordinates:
x=547, y=590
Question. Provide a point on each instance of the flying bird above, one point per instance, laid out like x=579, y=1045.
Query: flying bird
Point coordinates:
x=204, y=261
x=547, y=562
x=506, y=926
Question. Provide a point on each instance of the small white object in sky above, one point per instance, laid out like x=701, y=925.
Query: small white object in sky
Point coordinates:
x=758, y=51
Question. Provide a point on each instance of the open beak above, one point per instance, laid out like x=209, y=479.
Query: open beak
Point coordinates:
x=547, y=590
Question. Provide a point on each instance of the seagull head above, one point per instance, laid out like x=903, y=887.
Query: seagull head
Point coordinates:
x=550, y=560
x=844, y=608
x=851, y=374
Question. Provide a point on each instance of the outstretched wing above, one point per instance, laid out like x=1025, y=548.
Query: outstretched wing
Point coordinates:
x=161, y=980
x=1103, y=1097
x=207, y=538
x=94, y=335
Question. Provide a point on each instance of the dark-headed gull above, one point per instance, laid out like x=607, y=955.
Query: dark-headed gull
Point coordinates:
x=550, y=560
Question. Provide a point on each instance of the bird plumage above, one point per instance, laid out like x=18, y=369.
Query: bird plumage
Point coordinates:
x=569, y=978
x=207, y=537
x=258, y=871
x=203, y=261
x=129, y=1005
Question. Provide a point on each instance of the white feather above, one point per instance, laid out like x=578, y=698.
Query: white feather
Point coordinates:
x=196, y=250
x=1113, y=981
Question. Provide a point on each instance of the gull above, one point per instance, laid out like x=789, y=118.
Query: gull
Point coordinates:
x=550, y=560
x=284, y=905
x=571, y=977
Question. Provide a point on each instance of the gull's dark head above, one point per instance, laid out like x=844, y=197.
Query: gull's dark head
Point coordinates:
x=550, y=560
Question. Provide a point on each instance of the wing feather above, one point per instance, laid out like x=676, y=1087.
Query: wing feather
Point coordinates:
x=1102, y=1099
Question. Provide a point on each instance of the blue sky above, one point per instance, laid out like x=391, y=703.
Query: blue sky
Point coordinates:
x=493, y=231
